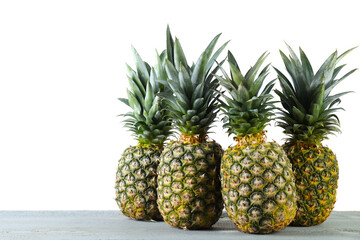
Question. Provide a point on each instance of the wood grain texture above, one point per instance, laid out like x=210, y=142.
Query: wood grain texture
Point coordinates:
x=110, y=225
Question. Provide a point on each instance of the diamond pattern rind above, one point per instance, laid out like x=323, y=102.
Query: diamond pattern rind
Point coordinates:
x=136, y=181
x=189, y=194
x=258, y=187
x=316, y=172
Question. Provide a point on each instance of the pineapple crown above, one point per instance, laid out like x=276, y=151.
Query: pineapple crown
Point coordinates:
x=193, y=101
x=308, y=113
x=148, y=121
x=247, y=110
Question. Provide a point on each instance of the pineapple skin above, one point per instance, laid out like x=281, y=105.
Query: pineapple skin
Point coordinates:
x=316, y=172
x=135, y=185
x=258, y=187
x=189, y=188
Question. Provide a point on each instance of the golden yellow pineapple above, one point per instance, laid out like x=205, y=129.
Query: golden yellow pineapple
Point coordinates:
x=258, y=185
x=308, y=117
x=137, y=168
x=189, y=195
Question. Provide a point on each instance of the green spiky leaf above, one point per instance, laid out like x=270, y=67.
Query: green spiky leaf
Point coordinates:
x=149, y=121
x=248, y=109
x=309, y=113
x=193, y=88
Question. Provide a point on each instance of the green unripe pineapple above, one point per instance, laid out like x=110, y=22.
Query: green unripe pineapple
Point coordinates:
x=137, y=168
x=258, y=185
x=189, y=195
x=307, y=117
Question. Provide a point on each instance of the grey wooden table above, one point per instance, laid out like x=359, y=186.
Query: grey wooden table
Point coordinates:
x=106, y=225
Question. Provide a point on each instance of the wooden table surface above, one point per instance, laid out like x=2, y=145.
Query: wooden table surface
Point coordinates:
x=106, y=225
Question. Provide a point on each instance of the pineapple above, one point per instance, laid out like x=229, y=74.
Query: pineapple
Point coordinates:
x=136, y=174
x=258, y=185
x=307, y=117
x=189, y=195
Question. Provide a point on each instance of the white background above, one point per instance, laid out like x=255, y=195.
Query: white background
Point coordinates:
x=62, y=68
